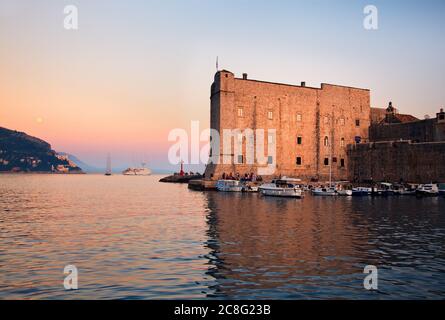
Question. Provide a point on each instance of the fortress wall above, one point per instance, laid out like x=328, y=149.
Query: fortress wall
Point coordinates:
x=330, y=111
x=393, y=161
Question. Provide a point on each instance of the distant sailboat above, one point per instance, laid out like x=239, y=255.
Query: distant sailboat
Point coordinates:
x=108, y=170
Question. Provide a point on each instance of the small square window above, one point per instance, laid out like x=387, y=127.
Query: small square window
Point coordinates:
x=299, y=140
x=240, y=112
x=326, y=161
x=240, y=159
x=357, y=122
x=269, y=160
x=334, y=159
x=298, y=161
x=269, y=115
x=299, y=117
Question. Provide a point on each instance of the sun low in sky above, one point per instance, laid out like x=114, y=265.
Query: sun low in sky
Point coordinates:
x=134, y=70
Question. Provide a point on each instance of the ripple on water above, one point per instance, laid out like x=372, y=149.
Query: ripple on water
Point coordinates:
x=140, y=239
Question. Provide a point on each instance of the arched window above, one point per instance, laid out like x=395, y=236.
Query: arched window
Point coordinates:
x=326, y=141
x=342, y=142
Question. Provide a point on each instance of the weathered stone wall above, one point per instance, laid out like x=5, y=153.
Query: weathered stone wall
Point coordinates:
x=377, y=115
x=398, y=160
x=330, y=111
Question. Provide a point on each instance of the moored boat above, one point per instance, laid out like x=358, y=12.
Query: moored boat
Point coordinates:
x=441, y=188
x=324, y=191
x=344, y=189
x=229, y=186
x=285, y=187
x=382, y=189
x=405, y=190
x=361, y=191
x=344, y=192
x=249, y=187
x=428, y=190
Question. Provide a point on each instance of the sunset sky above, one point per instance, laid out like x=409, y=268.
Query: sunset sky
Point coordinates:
x=137, y=69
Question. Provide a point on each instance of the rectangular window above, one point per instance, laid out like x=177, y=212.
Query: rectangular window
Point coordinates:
x=342, y=142
x=299, y=117
x=342, y=121
x=326, y=161
x=334, y=159
x=299, y=140
x=269, y=160
x=357, y=122
x=298, y=161
x=269, y=115
x=342, y=163
x=240, y=112
x=240, y=159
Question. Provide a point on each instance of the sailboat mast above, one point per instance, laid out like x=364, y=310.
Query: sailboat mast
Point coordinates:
x=330, y=151
x=330, y=163
x=108, y=164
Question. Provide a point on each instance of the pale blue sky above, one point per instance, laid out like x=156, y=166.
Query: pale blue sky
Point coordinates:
x=148, y=65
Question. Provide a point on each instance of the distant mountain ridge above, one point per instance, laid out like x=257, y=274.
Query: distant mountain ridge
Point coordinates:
x=85, y=167
x=20, y=152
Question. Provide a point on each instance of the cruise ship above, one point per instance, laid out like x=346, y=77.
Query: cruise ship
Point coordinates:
x=142, y=171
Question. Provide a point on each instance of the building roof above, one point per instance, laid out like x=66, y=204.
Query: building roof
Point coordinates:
x=398, y=118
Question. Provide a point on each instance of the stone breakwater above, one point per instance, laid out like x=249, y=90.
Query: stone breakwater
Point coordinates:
x=176, y=178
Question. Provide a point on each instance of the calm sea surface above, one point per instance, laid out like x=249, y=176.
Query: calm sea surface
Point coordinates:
x=135, y=238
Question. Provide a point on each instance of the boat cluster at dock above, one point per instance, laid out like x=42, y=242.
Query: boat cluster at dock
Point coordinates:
x=295, y=188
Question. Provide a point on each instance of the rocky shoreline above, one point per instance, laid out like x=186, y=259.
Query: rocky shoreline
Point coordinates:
x=176, y=178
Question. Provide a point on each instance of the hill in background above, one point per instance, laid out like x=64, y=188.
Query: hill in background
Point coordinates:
x=20, y=152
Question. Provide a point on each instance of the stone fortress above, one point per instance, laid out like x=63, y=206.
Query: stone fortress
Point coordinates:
x=323, y=131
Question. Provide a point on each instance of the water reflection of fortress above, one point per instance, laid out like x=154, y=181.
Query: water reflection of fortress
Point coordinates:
x=268, y=244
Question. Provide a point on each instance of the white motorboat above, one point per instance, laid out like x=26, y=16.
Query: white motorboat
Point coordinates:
x=324, y=191
x=249, y=187
x=430, y=189
x=405, y=190
x=344, y=189
x=229, y=186
x=384, y=189
x=285, y=187
x=344, y=192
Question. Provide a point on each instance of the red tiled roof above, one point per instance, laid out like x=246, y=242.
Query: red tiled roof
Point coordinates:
x=406, y=118
x=399, y=118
